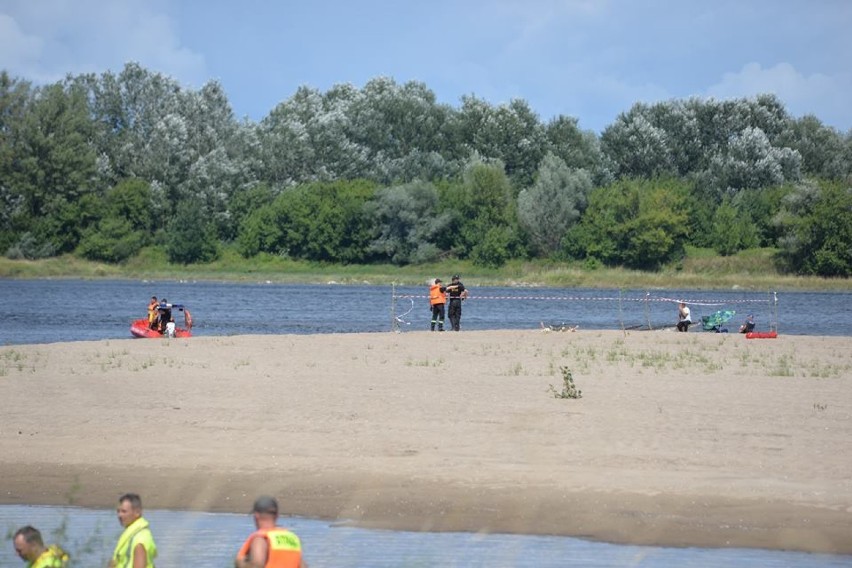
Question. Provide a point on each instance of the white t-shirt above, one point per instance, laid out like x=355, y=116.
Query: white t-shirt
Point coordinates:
x=170, y=329
x=685, y=312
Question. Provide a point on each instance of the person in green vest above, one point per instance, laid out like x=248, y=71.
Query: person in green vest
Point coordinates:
x=135, y=547
x=30, y=547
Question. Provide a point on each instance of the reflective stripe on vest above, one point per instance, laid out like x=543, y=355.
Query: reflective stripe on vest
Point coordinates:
x=53, y=557
x=285, y=548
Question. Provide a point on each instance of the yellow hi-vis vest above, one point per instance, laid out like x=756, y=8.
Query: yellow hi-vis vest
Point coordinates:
x=53, y=557
x=136, y=533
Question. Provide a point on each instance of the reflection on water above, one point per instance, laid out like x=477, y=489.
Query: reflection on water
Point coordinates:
x=211, y=540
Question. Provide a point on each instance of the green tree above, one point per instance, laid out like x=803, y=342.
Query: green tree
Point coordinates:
x=57, y=165
x=762, y=206
x=553, y=203
x=321, y=221
x=579, y=149
x=407, y=224
x=190, y=235
x=260, y=231
x=15, y=97
x=511, y=134
x=817, y=226
x=125, y=225
x=638, y=223
x=821, y=148
x=111, y=240
x=485, y=203
x=636, y=147
x=733, y=229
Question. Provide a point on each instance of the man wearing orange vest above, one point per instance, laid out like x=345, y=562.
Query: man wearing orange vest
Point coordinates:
x=436, y=303
x=270, y=546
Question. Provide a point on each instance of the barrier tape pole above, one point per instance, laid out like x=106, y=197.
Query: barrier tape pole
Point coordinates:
x=394, y=323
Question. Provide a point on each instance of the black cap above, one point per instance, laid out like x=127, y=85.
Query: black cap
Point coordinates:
x=265, y=504
x=455, y=276
x=437, y=280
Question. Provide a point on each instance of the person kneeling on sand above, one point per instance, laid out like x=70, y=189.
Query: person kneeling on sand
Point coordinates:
x=684, y=319
x=748, y=324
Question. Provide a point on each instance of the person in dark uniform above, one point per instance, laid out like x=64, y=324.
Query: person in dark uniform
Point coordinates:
x=165, y=314
x=457, y=294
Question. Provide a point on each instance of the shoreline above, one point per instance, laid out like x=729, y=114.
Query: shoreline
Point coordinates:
x=678, y=440
x=400, y=505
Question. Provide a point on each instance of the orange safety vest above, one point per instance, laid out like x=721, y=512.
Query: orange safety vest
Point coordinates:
x=285, y=548
x=436, y=295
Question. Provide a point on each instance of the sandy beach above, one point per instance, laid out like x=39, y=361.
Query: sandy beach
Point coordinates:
x=694, y=439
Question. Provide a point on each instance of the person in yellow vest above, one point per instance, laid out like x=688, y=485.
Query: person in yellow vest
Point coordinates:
x=30, y=547
x=152, y=312
x=437, y=299
x=135, y=547
x=270, y=546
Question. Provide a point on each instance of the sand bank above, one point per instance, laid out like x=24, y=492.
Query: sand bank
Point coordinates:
x=679, y=439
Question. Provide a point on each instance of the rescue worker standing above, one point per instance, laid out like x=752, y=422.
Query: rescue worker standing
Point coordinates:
x=457, y=294
x=135, y=547
x=437, y=298
x=270, y=546
x=30, y=547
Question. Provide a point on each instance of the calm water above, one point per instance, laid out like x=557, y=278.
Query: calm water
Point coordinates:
x=211, y=540
x=47, y=311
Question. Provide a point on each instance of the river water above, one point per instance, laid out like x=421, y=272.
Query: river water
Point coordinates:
x=48, y=311
x=210, y=540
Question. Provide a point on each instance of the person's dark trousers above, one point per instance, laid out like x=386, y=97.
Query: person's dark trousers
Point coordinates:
x=438, y=316
x=455, y=314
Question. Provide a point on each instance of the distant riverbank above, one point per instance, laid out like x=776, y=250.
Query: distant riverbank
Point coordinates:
x=750, y=270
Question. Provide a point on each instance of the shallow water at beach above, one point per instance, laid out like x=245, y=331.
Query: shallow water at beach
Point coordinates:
x=49, y=311
x=210, y=540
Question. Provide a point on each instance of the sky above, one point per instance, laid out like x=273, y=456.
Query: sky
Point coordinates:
x=586, y=59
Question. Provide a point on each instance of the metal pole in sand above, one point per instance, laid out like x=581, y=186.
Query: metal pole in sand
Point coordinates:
x=394, y=321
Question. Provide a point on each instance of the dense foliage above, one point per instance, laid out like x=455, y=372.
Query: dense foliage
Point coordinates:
x=105, y=165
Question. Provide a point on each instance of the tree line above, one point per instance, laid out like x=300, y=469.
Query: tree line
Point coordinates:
x=104, y=165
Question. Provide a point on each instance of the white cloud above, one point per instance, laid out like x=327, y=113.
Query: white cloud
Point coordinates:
x=825, y=96
x=45, y=40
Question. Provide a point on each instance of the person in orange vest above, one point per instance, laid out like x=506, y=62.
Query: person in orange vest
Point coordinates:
x=437, y=298
x=270, y=546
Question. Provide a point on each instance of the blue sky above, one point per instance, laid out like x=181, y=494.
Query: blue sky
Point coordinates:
x=589, y=59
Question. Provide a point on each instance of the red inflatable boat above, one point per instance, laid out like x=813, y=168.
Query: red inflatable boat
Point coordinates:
x=761, y=335
x=140, y=328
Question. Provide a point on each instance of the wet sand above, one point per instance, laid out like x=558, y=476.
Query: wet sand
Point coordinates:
x=693, y=439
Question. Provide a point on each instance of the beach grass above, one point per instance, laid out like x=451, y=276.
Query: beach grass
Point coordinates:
x=700, y=269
